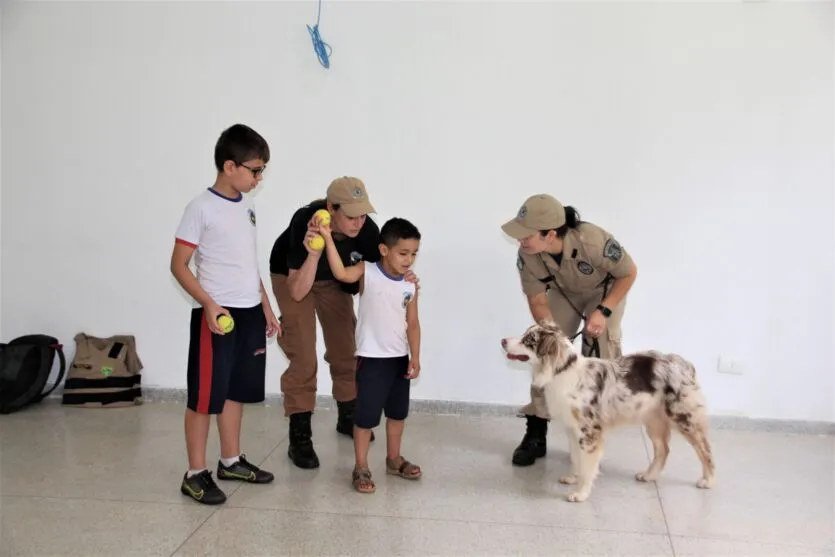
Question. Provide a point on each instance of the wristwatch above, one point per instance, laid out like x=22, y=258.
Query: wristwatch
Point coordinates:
x=604, y=310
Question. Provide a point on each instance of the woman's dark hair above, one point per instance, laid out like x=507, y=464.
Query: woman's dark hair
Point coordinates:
x=572, y=220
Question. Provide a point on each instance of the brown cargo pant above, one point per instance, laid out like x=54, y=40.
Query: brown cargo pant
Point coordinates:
x=335, y=309
x=569, y=321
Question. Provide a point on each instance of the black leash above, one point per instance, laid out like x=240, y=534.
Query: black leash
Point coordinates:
x=595, y=345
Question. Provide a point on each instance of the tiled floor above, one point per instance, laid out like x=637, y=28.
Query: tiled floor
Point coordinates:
x=106, y=483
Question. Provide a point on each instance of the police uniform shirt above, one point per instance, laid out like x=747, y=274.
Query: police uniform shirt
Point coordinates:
x=289, y=251
x=590, y=255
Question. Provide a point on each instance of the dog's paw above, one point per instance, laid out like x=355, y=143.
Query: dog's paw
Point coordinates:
x=705, y=483
x=576, y=497
x=568, y=480
x=644, y=477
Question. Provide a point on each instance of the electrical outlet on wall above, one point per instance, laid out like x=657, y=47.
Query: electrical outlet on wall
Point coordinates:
x=729, y=366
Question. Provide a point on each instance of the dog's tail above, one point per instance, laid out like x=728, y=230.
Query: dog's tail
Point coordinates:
x=683, y=397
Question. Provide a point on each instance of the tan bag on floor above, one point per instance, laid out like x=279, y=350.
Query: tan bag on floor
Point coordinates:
x=105, y=373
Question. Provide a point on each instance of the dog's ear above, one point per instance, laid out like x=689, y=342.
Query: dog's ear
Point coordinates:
x=548, y=346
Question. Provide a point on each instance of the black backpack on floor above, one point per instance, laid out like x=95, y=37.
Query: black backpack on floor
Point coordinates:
x=25, y=365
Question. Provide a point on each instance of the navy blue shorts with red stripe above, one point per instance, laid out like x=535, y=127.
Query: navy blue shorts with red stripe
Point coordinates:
x=227, y=367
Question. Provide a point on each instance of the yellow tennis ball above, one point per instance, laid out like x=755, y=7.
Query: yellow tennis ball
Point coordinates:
x=317, y=243
x=324, y=216
x=226, y=323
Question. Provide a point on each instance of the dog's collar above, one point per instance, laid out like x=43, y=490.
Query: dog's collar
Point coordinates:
x=568, y=363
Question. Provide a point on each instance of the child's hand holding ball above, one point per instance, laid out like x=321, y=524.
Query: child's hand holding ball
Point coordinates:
x=318, y=228
x=225, y=323
x=322, y=218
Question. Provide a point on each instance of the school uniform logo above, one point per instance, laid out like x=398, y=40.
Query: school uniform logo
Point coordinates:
x=407, y=297
x=251, y=216
x=355, y=257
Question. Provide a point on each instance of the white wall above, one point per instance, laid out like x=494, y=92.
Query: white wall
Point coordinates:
x=1, y=173
x=701, y=134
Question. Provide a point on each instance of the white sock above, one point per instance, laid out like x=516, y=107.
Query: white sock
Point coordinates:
x=193, y=473
x=229, y=461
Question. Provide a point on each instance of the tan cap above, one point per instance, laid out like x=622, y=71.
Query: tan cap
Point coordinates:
x=539, y=212
x=351, y=195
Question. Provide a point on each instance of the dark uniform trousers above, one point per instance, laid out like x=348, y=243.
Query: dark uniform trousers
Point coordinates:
x=569, y=321
x=335, y=309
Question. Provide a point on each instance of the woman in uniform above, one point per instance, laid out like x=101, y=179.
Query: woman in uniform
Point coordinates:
x=574, y=273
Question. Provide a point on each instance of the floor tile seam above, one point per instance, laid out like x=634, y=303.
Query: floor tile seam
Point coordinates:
x=647, y=444
x=722, y=538
x=130, y=501
x=183, y=503
x=444, y=519
x=231, y=505
x=191, y=534
x=647, y=447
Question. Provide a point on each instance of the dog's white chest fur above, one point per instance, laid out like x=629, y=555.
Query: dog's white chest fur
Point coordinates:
x=558, y=395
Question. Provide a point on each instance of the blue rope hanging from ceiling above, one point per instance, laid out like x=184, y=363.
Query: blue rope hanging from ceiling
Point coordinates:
x=320, y=47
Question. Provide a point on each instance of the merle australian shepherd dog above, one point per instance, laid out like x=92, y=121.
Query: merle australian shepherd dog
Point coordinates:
x=592, y=396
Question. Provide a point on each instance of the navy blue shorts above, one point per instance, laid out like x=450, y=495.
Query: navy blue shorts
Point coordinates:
x=381, y=386
x=230, y=366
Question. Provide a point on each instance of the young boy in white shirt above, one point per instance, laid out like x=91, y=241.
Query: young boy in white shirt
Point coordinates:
x=388, y=344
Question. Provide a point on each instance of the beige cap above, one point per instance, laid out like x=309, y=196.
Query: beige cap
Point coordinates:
x=539, y=212
x=350, y=194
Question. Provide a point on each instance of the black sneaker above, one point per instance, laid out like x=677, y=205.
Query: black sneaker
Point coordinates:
x=244, y=471
x=203, y=489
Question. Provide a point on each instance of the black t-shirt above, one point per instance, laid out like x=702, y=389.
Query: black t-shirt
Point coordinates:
x=289, y=252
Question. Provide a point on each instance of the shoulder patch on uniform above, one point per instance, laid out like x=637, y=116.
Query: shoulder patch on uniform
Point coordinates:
x=585, y=267
x=520, y=263
x=612, y=250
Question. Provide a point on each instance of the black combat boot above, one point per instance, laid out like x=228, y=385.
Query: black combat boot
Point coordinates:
x=345, y=420
x=533, y=444
x=301, y=450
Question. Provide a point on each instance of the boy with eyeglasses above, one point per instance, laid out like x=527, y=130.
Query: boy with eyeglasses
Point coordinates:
x=225, y=369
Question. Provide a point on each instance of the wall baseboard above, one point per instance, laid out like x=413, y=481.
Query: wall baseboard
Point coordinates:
x=456, y=408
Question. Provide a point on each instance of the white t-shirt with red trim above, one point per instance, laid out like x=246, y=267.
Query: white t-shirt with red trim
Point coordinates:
x=222, y=231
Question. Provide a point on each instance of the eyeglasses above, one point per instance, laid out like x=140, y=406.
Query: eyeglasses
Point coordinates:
x=255, y=171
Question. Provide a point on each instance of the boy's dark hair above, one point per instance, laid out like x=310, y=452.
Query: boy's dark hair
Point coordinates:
x=240, y=143
x=397, y=229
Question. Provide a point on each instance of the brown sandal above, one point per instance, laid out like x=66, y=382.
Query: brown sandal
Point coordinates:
x=405, y=470
x=362, y=480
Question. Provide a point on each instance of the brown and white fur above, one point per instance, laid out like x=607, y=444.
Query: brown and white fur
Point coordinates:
x=592, y=396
